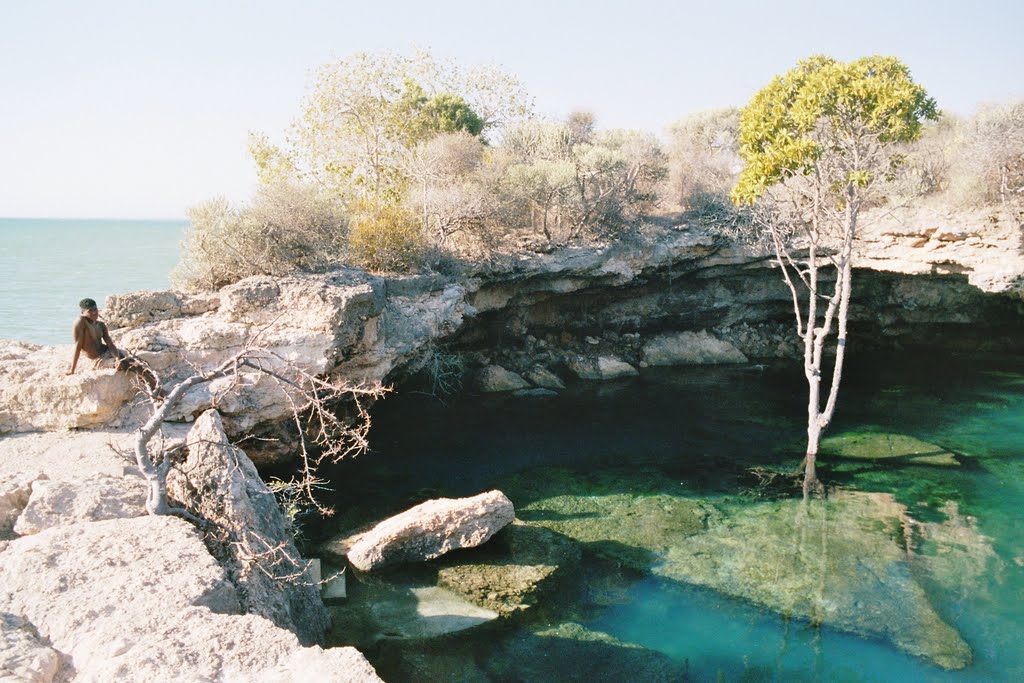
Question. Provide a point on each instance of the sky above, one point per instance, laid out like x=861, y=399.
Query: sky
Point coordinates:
x=133, y=109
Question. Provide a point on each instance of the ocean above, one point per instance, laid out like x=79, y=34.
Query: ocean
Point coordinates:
x=50, y=264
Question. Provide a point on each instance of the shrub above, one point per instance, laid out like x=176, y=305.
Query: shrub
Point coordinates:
x=703, y=156
x=988, y=161
x=386, y=238
x=287, y=228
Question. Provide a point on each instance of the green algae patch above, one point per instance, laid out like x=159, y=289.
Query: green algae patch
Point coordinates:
x=632, y=521
x=889, y=447
x=843, y=562
x=509, y=573
x=570, y=651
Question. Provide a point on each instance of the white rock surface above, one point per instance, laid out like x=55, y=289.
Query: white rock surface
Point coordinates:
x=23, y=657
x=432, y=529
x=15, y=490
x=95, y=498
x=221, y=485
x=690, y=348
x=142, y=600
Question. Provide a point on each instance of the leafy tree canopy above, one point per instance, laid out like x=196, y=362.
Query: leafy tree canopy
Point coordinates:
x=825, y=106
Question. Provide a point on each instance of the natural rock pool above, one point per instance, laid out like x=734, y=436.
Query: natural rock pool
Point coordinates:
x=646, y=549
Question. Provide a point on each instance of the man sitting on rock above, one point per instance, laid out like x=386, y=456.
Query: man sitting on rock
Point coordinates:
x=92, y=337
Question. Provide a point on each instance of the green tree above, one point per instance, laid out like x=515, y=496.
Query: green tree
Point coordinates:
x=815, y=142
x=366, y=112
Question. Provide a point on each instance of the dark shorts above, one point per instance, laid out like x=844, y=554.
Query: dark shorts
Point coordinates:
x=110, y=360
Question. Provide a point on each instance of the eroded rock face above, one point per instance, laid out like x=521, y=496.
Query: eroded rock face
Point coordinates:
x=219, y=483
x=37, y=394
x=432, y=529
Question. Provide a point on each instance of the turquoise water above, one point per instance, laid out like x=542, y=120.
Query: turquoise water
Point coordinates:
x=691, y=435
x=50, y=264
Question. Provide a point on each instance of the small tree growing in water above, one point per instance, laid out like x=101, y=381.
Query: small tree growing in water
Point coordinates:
x=815, y=141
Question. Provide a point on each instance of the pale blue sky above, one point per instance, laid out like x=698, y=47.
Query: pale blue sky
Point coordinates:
x=140, y=109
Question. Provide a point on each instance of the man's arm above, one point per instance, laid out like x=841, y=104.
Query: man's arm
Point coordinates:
x=79, y=341
x=108, y=341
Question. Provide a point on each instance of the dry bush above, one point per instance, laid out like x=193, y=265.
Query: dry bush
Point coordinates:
x=988, y=160
x=703, y=158
x=386, y=238
x=286, y=228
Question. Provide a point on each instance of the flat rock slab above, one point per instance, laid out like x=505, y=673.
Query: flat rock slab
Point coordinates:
x=884, y=446
x=432, y=529
x=97, y=498
x=833, y=562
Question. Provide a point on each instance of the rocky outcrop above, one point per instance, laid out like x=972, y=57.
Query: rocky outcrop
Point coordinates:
x=432, y=529
x=219, y=484
x=142, y=599
x=967, y=275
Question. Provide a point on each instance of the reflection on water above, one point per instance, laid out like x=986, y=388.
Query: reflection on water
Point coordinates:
x=916, y=567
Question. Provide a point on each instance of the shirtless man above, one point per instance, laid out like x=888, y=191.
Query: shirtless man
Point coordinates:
x=92, y=337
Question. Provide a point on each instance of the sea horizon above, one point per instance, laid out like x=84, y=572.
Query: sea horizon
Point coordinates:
x=52, y=263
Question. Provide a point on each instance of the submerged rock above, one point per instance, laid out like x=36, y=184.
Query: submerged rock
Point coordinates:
x=403, y=610
x=510, y=573
x=884, y=446
x=841, y=562
x=570, y=651
x=432, y=529
x=848, y=562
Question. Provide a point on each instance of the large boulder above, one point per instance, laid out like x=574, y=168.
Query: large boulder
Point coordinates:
x=690, y=348
x=219, y=483
x=495, y=378
x=95, y=498
x=432, y=529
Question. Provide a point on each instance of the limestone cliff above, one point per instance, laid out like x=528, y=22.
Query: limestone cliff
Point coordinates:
x=928, y=278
